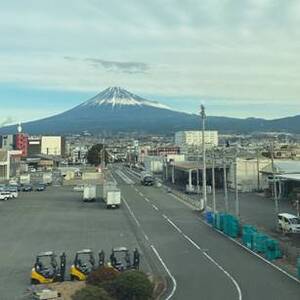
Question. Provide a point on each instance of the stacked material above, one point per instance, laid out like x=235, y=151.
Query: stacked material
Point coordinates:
x=231, y=225
x=273, y=250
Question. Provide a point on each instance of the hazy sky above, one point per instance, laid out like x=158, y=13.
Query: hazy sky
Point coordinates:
x=240, y=57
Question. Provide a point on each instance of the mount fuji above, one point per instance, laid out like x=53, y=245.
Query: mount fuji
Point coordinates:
x=117, y=110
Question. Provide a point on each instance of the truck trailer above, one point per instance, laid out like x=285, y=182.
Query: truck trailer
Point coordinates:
x=89, y=193
x=111, y=195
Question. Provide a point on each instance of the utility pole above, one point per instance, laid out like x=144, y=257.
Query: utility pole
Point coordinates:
x=225, y=182
x=257, y=167
x=237, y=202
x=213, y=182
x=274, y=184
x=203, y=117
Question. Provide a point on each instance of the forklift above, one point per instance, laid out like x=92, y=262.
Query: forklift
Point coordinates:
x=120, y=259
x=46, y=268
x=84, y=264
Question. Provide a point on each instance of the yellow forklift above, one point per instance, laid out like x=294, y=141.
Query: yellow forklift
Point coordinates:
x=84, y=263
x=46, y=268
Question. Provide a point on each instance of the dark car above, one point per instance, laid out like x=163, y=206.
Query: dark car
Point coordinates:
x=40, y=187
x=27, y=188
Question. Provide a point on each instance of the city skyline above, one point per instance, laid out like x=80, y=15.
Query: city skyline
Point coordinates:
x=237, y=59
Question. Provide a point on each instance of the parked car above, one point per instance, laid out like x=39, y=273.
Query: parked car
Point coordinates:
x=78, y=188
x=289, y=223
x=27, y=188
x=4, y=195
x=14, y=191
x=40, y=187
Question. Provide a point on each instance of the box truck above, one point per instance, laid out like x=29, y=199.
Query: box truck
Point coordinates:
x=89, y=193
x=113, y=198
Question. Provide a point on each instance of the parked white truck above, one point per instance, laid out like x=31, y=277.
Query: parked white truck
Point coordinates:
x=111, y=195
x=89, y=193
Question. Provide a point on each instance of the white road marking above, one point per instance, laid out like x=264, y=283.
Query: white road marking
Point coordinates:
x=168, y=271
x=174, y=225
x=147, y=199
x=208, y=257
x=124, y=177
x=131, y=213
x=141, y=194
x=254, y=253
x=155, y=207
x=154, y=250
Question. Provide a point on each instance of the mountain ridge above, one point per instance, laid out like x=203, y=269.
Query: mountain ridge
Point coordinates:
x=118, y=110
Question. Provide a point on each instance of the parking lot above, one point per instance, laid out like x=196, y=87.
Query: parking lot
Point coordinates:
x=56, y=219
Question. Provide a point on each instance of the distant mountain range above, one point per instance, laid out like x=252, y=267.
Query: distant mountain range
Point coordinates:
x=117, y=110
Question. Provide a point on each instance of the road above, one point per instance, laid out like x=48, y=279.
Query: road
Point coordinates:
x=201, y=263
x=255, y=209
x=58, y=220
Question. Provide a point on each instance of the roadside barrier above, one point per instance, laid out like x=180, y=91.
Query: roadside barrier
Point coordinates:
x=251, y=237
x=229, y=224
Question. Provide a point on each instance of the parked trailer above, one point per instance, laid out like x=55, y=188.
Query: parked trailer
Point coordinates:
x=113, y=198
x=89, y=193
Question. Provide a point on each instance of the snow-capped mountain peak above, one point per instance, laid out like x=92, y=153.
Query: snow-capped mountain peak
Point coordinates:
x=116, y=96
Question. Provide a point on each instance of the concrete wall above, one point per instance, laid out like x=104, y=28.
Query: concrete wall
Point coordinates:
x=247, y=174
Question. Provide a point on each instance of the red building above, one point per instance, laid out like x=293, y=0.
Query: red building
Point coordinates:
x=21, y=143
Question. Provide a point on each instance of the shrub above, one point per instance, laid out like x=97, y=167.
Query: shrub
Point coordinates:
x=102, y=275
x=132, y=285
x=91, y=293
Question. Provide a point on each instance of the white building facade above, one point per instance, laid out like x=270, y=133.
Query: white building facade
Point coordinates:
x=53, y=145
x=194, y=138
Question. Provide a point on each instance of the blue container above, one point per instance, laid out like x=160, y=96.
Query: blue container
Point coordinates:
x=247, y=235
x=209, y=217
x=273, y=250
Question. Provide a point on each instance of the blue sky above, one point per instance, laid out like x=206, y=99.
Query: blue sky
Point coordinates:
x=240, y=58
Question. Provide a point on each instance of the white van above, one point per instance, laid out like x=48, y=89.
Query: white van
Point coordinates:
x=289, y=223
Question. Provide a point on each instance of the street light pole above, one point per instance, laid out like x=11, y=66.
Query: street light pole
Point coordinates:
x=274, y=184
x=203, y=117
x=213, y=182
x=237, y=202
x=225, y=182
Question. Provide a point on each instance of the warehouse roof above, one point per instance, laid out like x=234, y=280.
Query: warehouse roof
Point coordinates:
x=283, y=167
x=292, y=177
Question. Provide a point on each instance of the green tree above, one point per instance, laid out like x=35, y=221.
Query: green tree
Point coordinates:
x=102, y=275
x=91, y=293
x=96, y=153
x=132, y=285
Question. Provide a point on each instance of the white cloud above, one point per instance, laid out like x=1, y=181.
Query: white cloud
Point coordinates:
x=240, y=50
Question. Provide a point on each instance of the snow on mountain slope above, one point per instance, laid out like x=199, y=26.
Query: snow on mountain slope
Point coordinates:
x=116, y=96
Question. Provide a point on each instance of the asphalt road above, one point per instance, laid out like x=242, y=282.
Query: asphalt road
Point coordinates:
x=202, y=263
x=255, y=209
x=58, y=220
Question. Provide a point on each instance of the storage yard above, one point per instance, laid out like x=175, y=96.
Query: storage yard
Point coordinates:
x=58, y=220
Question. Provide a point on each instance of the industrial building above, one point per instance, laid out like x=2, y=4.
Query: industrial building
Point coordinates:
x=34, y=146
x=7, y=142
x=53, y=145
x=9, y=164
x=194, y=138
x=248, y=170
